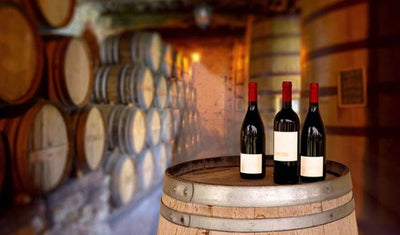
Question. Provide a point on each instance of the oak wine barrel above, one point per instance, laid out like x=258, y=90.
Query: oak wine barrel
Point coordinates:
x=161, y=92
x=167, y=125
x=91, y=38
x=55, y=14
x=123, y=185
x=205, y=196
x=162, y=158
x=357, y=71
x=124, y=84
x=274, y=58
x=3, y=155
x=21, y=64
x=40, y=146
x=181, y=99
x=177, y=66
x=69, y=71
x=126, y=128
x=153, y=122
x=166, y=60
x=146, y=169
x=107, y=53
x=132, y=48
x=186, y=70
x=190, y=96
x=172, y=94
x=90, y=138
x=177, y=118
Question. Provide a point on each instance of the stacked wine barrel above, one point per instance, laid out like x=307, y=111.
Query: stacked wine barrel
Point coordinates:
x=50, y=130
x=186, y=119
x=141, y=89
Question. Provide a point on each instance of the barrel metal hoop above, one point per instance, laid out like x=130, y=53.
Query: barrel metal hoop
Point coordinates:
x=259, y=196
x=179, y=190
x=257, y=225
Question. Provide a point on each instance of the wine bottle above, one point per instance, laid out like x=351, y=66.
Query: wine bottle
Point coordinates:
x=286, y=140
x=252, y=140
x=312, y=160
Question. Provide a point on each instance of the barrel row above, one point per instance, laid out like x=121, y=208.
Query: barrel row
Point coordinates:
x=146, y=48
x=23, y=51
x=130, y=129
x=45, y=142
x=137, y=85
x=133, y=174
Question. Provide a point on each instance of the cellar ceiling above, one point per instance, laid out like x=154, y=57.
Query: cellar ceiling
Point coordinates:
x=173, y=15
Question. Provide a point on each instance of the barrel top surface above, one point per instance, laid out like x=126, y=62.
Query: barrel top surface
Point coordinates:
x=95, y=135
x=57, y=13
x=18, y=52
x=216, y=181
x=49, y=148
x=78, y=70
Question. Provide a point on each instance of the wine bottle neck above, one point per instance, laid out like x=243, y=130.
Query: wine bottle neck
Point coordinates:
x=313, y=107
x=252, y=105
x=286, y=104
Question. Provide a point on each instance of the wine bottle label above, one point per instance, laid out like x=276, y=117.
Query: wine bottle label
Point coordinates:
x=285, y=146
x=312, y=166
x=251, y=163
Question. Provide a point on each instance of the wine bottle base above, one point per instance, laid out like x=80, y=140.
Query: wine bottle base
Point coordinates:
x=251, y=176
x=286, y=181
x=311, y=179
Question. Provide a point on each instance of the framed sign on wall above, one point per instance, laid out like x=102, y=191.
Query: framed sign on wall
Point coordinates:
x=352, y=88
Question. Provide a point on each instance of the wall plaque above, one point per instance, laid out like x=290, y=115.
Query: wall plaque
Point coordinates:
x=352, y=88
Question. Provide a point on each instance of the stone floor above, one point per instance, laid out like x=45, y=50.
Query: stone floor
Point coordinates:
x=142, y=219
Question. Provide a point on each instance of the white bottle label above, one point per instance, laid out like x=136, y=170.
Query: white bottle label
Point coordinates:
x=285, y=146
x=312, y=166
x=251, y=163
